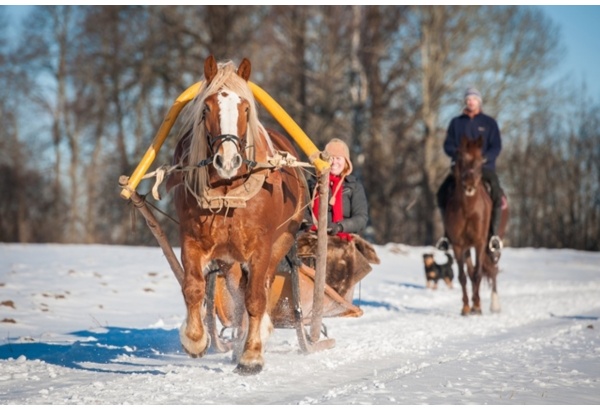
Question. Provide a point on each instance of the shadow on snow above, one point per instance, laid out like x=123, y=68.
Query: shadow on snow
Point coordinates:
x=119, y=348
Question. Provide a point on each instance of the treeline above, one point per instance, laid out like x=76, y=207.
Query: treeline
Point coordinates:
x=83, y=90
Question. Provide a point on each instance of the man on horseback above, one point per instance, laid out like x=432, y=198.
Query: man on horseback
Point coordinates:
x=473, y=123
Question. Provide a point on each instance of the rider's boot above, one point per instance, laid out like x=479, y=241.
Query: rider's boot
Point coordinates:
x=495, y=243
x=443, y=244
x=443, y=194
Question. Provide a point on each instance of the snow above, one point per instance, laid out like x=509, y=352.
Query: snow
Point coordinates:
x=98, y=324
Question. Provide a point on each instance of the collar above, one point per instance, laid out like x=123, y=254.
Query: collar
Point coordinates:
x=472, y=114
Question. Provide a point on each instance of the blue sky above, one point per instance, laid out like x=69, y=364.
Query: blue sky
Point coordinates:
x=580, y=33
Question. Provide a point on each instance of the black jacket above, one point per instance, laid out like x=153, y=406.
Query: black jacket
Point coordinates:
x=355, y=205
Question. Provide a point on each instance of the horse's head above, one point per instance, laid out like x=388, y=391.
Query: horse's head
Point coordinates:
x=469, y=163
x=225, y=116
x=225, y=122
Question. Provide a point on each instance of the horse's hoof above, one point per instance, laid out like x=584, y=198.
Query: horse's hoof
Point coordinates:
x=465, y=311
x=194, y=349
x=190, y=354
x=250, y=363
x=248, y=370
x=196, y=355
x=476, y=311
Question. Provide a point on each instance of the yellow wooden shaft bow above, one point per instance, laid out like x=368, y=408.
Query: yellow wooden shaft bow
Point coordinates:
x=307, y=146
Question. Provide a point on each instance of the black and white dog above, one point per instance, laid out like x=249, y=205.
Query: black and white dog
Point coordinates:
x=435, y=271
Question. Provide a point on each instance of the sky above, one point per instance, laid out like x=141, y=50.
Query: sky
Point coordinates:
x=580, y=27
x=98, y=325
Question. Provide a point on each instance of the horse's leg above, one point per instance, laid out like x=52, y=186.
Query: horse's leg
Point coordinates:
x=493, y=273
x=476, y=278
x=495, y=305
x=259, y=322
x=238, y=285
x=470, y=266
x=462, y=278
x=194, y=338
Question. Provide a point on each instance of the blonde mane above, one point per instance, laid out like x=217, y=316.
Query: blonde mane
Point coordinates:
x=258, y=143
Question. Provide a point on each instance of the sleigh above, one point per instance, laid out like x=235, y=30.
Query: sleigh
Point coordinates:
x=292, y=292
x=316, y=281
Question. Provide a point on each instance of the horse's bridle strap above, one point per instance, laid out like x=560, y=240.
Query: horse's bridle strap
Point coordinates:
x=220, y=139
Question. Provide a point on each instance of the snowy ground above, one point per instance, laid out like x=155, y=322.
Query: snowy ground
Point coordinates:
x=99, y=325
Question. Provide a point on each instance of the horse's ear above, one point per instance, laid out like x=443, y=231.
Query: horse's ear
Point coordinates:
x=210, y=68
x=464, y=141
x=244, y=69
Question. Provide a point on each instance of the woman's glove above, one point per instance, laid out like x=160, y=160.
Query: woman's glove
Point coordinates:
x=333, y=228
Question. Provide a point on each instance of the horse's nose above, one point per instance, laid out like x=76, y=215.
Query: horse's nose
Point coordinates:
x=236, y=161
x=227, y=168
x=219, y=161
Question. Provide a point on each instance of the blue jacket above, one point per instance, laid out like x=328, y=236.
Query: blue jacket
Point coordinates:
x=480, y=124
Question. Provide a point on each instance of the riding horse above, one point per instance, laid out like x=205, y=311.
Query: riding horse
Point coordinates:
x=467, y=220
x=231, y=209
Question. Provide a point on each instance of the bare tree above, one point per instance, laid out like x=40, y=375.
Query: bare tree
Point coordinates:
x=28, y=209
x=96, y=82
x=387, y=55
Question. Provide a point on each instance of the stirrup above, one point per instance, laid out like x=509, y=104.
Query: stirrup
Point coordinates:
x=495, y=244
x=443, y=244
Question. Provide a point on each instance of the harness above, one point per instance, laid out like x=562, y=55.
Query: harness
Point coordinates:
x=237, y=197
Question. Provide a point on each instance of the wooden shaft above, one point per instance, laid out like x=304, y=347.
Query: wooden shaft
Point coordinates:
x=160, y=236
x=305, y=144
x=321, y=263
x=159, y=139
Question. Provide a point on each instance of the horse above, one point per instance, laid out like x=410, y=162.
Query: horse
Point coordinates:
x=231, y=209
x=467, y=220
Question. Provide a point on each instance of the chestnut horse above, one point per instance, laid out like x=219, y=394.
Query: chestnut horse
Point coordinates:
x=231, y=209
x=467, y=221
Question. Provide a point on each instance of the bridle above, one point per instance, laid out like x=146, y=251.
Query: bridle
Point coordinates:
x=468, y=170
x=220, y=140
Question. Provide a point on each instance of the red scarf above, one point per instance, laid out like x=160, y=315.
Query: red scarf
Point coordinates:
x=336, y=202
